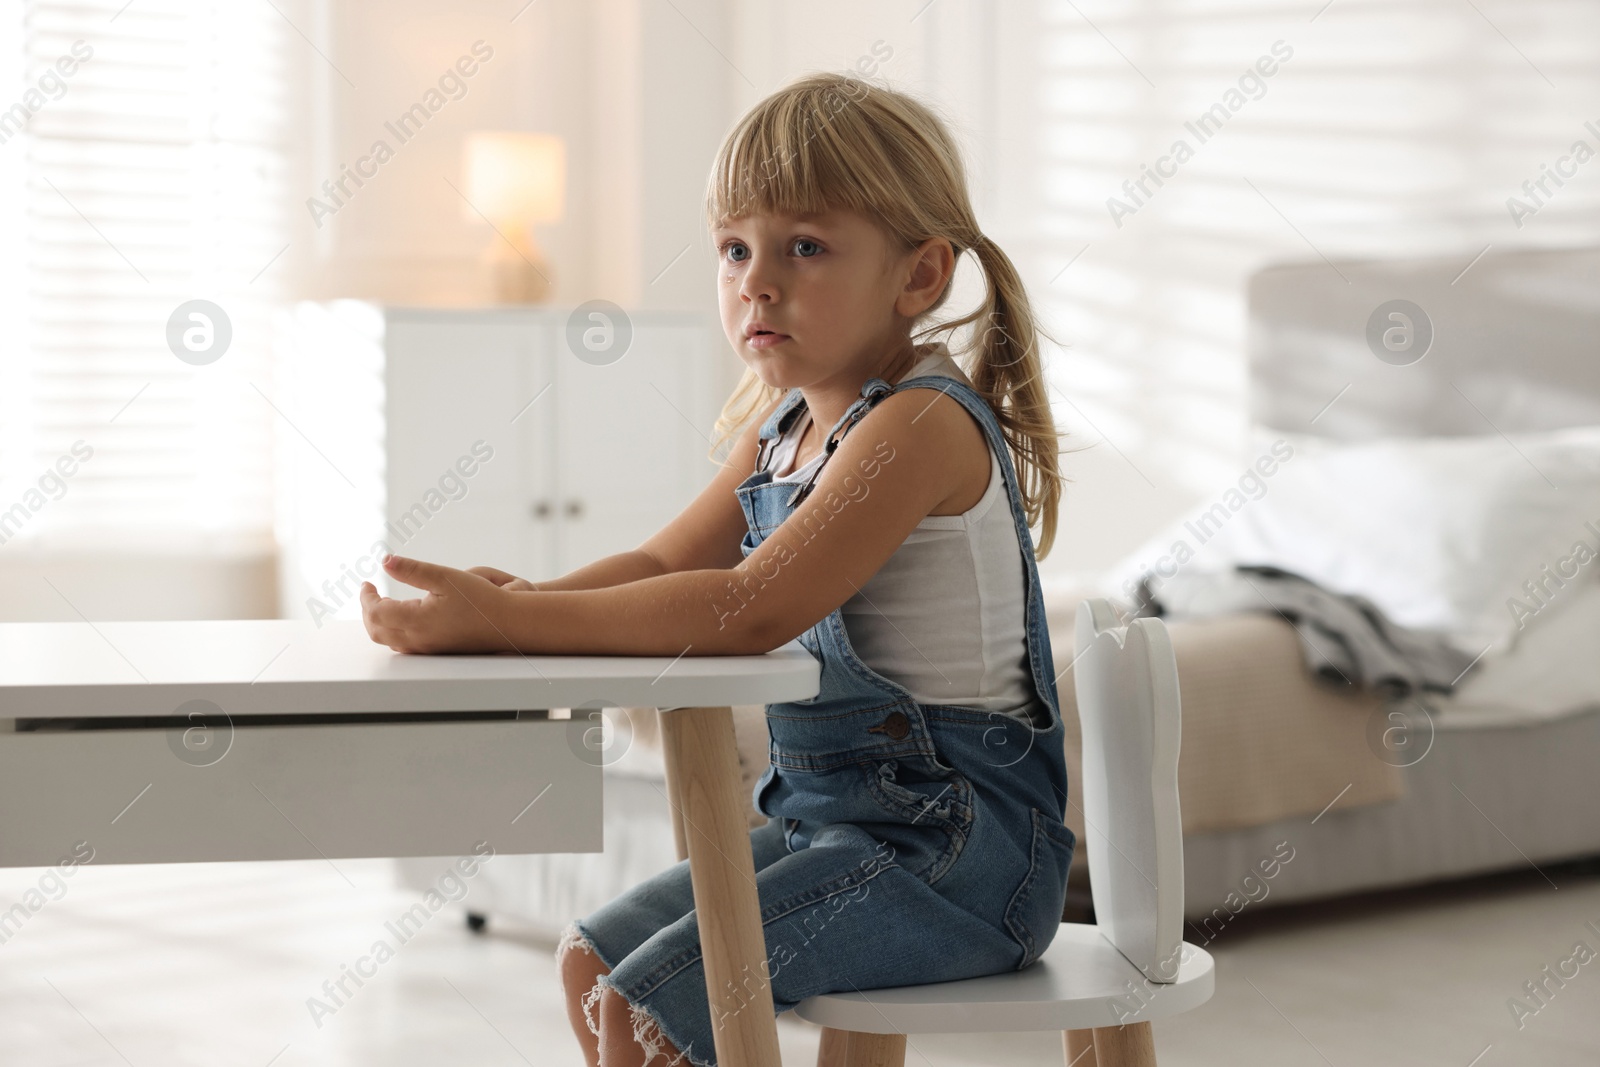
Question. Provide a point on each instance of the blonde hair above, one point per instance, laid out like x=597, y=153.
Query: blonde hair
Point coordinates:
x=833, y=141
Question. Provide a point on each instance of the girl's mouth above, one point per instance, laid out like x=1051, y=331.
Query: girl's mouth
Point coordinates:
x=765, y=339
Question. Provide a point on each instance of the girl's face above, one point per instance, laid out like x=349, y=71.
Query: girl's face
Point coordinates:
x=804, y=298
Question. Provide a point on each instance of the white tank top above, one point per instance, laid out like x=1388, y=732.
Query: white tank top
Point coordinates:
x=945, y=616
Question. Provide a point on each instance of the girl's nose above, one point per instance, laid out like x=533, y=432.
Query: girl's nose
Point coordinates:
x=758, y=285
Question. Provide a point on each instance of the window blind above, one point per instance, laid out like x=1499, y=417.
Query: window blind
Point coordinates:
x=143, y=164
x=1147, y=167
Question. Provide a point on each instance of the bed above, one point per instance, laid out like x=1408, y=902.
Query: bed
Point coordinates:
x=1292, y=790
x=1500, y=772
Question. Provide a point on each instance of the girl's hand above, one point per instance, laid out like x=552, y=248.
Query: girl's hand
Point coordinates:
x=461, y=612
x=502, y=579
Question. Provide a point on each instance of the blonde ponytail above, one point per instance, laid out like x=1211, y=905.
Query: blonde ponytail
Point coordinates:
x=1007, y=370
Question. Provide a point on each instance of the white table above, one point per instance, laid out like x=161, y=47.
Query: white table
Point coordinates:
x=164, y=742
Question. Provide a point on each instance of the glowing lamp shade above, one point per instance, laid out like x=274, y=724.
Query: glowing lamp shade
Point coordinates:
x=515, y=178
x=514, y=181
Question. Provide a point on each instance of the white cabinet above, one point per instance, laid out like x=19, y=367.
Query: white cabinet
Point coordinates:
x=467, y=456
x=483, y=436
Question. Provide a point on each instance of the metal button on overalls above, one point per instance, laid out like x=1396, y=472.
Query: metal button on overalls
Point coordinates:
x=896, y=725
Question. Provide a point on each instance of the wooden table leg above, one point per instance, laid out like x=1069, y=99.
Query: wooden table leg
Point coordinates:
x=679, y=842
x=703, y=782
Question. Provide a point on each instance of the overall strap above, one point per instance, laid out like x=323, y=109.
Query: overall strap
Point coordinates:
x=873, y=391
x=777, y=425
x=876, y=389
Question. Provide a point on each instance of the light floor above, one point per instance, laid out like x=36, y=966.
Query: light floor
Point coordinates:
x=214, y=964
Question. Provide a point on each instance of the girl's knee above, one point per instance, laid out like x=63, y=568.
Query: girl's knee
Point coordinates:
x=630, y=1032
x=580, y=968
x=572, y=939
x=627, y=1033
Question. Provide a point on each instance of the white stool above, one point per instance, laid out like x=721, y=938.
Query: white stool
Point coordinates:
x=1101, y=984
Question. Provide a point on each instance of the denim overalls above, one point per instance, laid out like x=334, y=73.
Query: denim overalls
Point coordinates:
x=907, y=843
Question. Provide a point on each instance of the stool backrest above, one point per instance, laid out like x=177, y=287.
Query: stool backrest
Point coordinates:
x=1126, y=679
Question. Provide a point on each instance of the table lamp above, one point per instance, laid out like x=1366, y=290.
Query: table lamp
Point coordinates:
x=514, y=180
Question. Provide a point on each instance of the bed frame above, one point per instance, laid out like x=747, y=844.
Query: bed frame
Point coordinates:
x=1514, y=345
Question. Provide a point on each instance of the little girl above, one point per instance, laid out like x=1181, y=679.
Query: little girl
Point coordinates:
x=870, y=508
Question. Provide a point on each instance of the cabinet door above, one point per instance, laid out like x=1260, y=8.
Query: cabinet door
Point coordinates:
x=633, y=439
x=465, y=396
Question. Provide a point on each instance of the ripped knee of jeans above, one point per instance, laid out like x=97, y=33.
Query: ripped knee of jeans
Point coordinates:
x=571, y=938
x=591, y=1007
x=647, y=1032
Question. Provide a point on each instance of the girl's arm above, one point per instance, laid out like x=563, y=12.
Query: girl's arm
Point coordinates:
x=906, y=458
x=619, y=569
x=912, y=454
x=669, y=614
x=704, y=536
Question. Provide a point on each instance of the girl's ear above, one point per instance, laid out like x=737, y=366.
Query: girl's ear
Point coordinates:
x=932, y=264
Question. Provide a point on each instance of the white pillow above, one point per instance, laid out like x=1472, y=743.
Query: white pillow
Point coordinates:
x=1440, y=533
x=1552, y=671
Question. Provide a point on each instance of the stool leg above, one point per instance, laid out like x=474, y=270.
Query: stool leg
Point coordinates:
x=831, y=1052
x=1080, y=1048
x=874, y=1050
x=1128, y=1045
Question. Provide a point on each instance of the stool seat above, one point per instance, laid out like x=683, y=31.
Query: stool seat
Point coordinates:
x=1081, y=982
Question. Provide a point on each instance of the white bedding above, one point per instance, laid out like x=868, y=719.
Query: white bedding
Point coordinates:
x=1553, y=671
x=1440, y=533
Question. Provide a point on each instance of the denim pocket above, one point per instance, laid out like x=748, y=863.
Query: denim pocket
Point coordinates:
x=897, y=786
x=1035, y=909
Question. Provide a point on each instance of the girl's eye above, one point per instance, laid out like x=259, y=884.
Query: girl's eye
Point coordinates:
x=736, y=252
x=804, y=246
